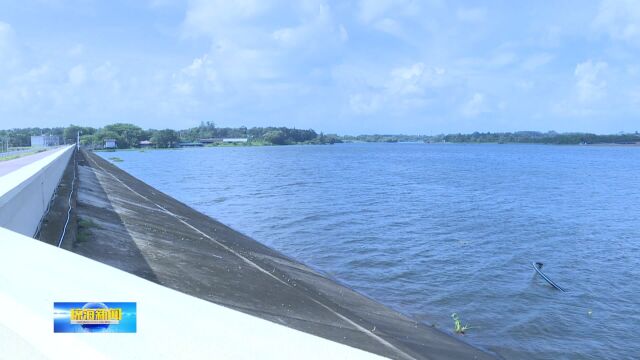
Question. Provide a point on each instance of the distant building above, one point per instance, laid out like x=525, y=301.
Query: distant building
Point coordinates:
x=211, y=140
x=45, y=140
x=191, y=144
x=146, y=144
x=235, y=140
x=110, y=143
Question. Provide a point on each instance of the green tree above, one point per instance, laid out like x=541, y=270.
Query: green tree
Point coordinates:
x=165, y=138
x=102, y=134
x=70, y=133
x=128, y=135
x=276, y=137
x=87, y=139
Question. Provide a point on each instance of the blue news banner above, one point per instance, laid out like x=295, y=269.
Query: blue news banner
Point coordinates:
x=94, y=317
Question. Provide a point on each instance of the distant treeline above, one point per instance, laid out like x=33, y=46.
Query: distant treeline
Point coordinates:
x=522, y=137
x=534, y=137
x=270, y=135
x=129, y=135
x=384, y=138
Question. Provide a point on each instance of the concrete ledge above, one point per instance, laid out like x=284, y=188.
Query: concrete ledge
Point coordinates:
x=171, y=325
x=25, y=193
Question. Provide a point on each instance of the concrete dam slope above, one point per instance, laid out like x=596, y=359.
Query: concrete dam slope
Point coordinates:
x=125, y=223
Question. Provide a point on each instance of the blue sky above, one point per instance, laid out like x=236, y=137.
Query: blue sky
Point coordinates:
x=351, y=67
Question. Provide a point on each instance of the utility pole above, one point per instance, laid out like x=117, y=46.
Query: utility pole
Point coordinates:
x=78, y=142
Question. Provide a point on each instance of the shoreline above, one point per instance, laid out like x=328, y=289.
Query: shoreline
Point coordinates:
x=368, y=142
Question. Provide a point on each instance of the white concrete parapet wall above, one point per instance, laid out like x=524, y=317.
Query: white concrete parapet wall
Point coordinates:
x=26, y=192
x=170, y=324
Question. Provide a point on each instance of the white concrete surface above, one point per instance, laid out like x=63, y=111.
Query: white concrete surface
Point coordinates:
x=25, y=193
x=171, y=325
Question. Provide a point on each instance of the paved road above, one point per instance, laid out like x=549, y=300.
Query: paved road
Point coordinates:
x=15, y=164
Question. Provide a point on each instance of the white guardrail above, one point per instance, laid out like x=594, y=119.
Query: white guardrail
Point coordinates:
x=26, y=192
x=170, y=324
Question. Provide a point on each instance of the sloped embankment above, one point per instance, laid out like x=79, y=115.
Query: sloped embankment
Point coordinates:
x=127, y=224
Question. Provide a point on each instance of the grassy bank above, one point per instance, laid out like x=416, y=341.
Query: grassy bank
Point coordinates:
x=19, y=155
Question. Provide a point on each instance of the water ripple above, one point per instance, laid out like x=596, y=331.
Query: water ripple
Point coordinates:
x=435, y=229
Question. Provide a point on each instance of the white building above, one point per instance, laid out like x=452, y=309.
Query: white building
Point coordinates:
x=110, y=144
x=45, y=140
x=234, y=140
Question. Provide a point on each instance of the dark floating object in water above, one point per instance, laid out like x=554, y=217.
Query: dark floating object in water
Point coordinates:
x=537, y=266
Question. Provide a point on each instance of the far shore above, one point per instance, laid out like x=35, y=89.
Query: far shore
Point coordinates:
x=615, y=144
x=370, y=142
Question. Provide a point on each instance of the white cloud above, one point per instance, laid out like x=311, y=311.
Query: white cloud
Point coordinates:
x=76, y=50
x=475, y=106
x=536, y=61
x=587, y=91
x=388, y=15
x=590, y=85
x=286, y=36
x=219, y=18
x=183, y=88
x=365, y=104
x=397, y=91
x=525, y=85
x=35, y=75
x=472, y=15
x=414, y=79
x=370, y=10
x=163, y=3
x=344, y=35
x=5, y=29
x=634, y=97
x=503, y=59
x=8, y=52
x=105, y=72
x=389, y=26
x=198, y=66
x=316, y=28
x=6, y=34
x=77, y=75
x=259, y=50
x=245, y=51
x=200, y=74
x=620, y=19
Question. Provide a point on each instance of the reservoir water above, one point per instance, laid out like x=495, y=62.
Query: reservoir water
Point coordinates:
x=430, y=230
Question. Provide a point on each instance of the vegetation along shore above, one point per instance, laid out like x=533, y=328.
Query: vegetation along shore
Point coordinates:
x=208, y=134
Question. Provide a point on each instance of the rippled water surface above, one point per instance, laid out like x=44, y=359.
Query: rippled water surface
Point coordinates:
x=435, y=229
